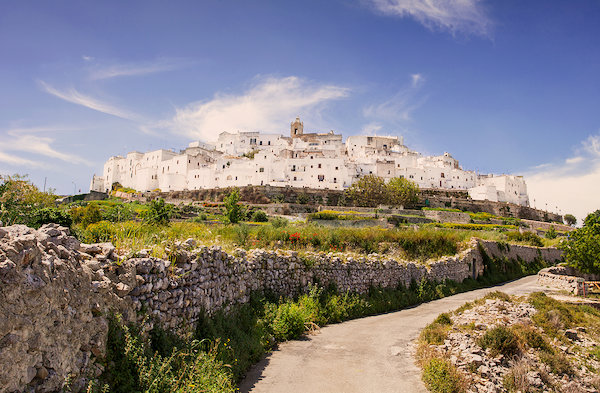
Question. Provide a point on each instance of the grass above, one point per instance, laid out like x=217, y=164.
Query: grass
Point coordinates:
x=441, y=376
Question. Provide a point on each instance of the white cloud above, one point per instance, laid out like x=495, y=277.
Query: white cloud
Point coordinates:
x=17, y=161
x=20, y=140
x=370, y=129
x=573, y=186
x=417, y=79
x=75, y=97
x=267, y=106
x=87, y=58
x=466, y=16
x=401, y=105
x=136, y=69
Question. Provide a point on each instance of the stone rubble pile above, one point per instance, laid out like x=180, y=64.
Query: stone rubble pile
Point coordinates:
x=486, y=373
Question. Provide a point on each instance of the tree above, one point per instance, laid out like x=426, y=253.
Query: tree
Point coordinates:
x=20, y=199
x=369, y=191
x=582, y=250
x=570, y=219
x=402, y=191
x=233, y=210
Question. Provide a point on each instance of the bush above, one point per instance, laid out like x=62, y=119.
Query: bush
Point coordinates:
x=288, y=321
x=525, y=237
x=49, y=215
x=551, y=233
x=558, y=362
x=259, y=216
x=118, y=213
x=86, y=215
x=302, y=199
x=440, y=376
x=242, y=232
x=279, y=222
x=500, y=340
x=158, y=212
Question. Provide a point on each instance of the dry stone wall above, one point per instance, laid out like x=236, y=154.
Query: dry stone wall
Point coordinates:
x=55, y=293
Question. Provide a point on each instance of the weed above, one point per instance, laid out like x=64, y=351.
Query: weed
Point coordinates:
x=500, y=340
x=440, y=376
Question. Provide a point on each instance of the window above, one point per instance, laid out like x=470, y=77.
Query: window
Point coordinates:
x=336, y=168
x=335, y=180
x=293, y=168
x=260, y=143
x=261, y=169
x=442, y=175
x=294, y=178
x=319, y=165
x=321, y=177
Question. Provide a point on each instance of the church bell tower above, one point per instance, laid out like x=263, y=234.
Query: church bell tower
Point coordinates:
x=297, y=128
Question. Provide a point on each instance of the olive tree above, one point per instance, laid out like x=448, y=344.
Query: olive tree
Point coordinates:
x=368, y=191
x=402, y=191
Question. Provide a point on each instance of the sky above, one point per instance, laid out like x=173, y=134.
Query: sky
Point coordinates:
x=505, y=86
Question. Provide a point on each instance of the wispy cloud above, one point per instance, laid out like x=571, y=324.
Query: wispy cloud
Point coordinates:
x=137, y=69
x=572, y=185
x=371, y=128
x=417, y=79
x=465, y=16
x=87, y=58
x=267, y=105
x=75, y=97
x=17, y=161
x=25, y=140
x=400, y=106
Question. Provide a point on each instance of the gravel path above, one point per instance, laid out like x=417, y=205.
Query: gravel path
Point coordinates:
x=372, y=354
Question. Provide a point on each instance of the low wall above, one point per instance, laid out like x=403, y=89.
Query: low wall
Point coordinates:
x=566, y=278
x=55, y=292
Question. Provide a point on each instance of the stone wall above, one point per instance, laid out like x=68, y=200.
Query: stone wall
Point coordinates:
x=566, y=278
x=55, y=293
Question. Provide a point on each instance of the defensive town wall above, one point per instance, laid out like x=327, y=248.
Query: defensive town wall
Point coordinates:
x=56, y=293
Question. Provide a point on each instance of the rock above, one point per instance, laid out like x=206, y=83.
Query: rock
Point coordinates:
x=122, y=289
x=42, y=373
x=572, y=334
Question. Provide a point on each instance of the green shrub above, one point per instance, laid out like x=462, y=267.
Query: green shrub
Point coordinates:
x=302, y=199
x=498, y=295
x=118, y=213
x=551, y=233
x=242, y=232
x=525, y=237
x=435, y=333
x=158, y=212
x=500, y=340
x=558, y=362
x=86, y=215
x=279, y=222
x=288, y=321
x=443, y=319
x=440, y=376
x=259, y=216
x=49, y=215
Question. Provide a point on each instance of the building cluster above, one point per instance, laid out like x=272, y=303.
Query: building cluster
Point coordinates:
x=313, y=160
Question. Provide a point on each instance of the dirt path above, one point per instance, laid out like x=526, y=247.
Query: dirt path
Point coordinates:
x=373, y=354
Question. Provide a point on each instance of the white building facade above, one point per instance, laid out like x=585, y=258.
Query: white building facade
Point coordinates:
x=313, y=160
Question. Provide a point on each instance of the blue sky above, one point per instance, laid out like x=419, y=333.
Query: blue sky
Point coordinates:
x=504, y=86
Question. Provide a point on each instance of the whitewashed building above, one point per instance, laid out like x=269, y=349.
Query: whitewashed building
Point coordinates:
x=314, y=160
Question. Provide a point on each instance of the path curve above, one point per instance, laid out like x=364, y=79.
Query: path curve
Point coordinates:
x=372, y=354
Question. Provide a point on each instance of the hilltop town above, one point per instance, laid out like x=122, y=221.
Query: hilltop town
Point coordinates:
x=301, y=160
